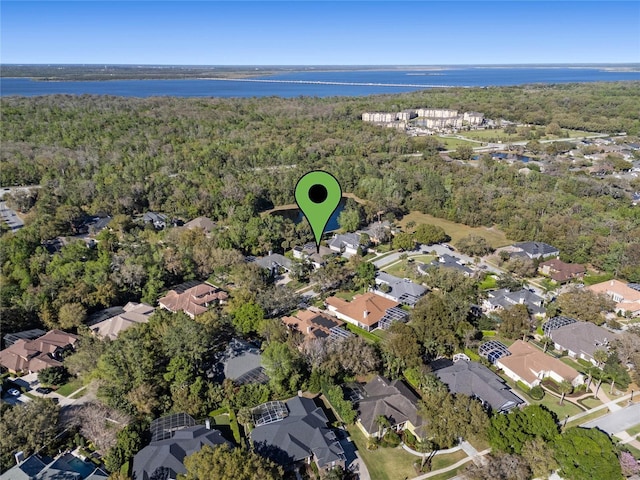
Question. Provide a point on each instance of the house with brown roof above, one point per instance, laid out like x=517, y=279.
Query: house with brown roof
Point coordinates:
x=316, y=325
x=204, y=223
x=368, y=311
x=560, y=271
x=393, y=400
x=193, y=298
x=627, y=299
x=34, y=355
x=122, y=318
x=530, y=366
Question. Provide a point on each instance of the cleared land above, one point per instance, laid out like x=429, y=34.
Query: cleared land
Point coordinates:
x=456, y=231
x=453, y=143
x=499, y=135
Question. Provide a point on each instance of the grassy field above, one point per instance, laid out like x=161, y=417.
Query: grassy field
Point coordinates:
x=453, y=143
x=495, y=237
x=395, y=463
x=498, y=134
x=403, y=269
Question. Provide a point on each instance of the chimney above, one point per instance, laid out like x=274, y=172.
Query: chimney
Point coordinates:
x=365, y=314
x=19, y=457
x=270, y=252
x=207, y=424
x=299, y=393
x=309, y=329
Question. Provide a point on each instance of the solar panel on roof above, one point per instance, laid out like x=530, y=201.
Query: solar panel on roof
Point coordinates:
x=635, y=286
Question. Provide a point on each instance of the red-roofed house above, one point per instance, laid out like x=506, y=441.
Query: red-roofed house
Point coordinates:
x=35, y=355
x=368, y=311
x=627, y=299
x=560, y=271
x=193, y=298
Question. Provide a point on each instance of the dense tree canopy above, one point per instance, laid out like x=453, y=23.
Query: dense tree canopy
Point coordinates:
x=223, y=463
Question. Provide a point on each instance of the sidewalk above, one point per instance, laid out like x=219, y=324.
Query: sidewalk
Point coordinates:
x=611, y=405
x=452, y=467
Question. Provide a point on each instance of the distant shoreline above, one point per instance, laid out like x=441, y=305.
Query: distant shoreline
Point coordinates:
x=61, y=73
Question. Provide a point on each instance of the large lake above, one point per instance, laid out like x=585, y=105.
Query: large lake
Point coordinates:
x=320, y=84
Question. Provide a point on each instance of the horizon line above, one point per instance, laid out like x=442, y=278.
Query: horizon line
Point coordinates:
x=316, y=65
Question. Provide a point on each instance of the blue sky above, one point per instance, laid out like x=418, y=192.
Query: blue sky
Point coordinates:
x=319, y=32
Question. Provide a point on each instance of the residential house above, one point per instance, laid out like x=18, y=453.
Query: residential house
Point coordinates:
x=296, y=431
x=530, y=366
x=193, y=298
x=11, y=338
x=504, y=298
x=315, y=325
x=203, y=223
x=120, y=319
x=627, y=298
x=174, y=437
x=582, y=339
x=274, y=263
x=475, y=380
x=34, y=355
x=63, y=467
x=560, y=271
x=158, y=220
x=391, y=399
x=346, y=244
x=377, y=231
x=532, y=250
x=309, y=252
x=368, y=311
x=401, y=290
x=446, y=261
x=240, y=362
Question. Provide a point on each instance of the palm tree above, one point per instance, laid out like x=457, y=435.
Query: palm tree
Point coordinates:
x=600, y=356
x=382, y=423
x=546, y=341
x=564, y=388
x=424, y=446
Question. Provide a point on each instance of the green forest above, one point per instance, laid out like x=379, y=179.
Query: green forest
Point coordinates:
x=234, y=159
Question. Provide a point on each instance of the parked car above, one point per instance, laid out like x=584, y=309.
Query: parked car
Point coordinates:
x=14, y=392
x=44, y=390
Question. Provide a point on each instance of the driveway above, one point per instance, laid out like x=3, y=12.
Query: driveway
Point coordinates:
x=617, y=421
x=353, y=461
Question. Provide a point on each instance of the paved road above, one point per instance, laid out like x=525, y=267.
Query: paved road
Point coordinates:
x=10, y=217
x=617, y=421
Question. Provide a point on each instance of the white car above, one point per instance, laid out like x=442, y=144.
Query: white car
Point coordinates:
x=14, y=392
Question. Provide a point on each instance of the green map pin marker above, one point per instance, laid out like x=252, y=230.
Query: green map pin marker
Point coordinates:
x=318, y=194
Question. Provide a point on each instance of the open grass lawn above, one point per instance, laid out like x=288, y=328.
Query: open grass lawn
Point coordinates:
x=488, y=283
x=573, y=364
x=634, y=430
x=449, y=474
x=363, y=333
x=495, y=237
x=498, y=134
x=68, y=388
x=453, y=143
x=395, y=463
x=591, y=402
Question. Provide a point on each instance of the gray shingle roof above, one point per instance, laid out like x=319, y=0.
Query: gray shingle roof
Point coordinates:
x=401, y=290
x=169, y=453
x=537, y=249
x=350, y=240
x=582, y=338
x=394, y=400
x=274, y=260
x=474, y=379
x=302, y=434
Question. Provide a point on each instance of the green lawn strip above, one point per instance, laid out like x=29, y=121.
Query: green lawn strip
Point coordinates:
x=395, y=463
x=78, y=394
x=398, y=269
x=68, y=388
x=381, y=334
x=472, y=355
x=453, y=143
x=549, y=401
x=586, y=418
x=634, y=430
x=450, y=473
x=495, y=237
x=573, y=364
x=488, y=283
x=590, y=402
x=363, y=333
